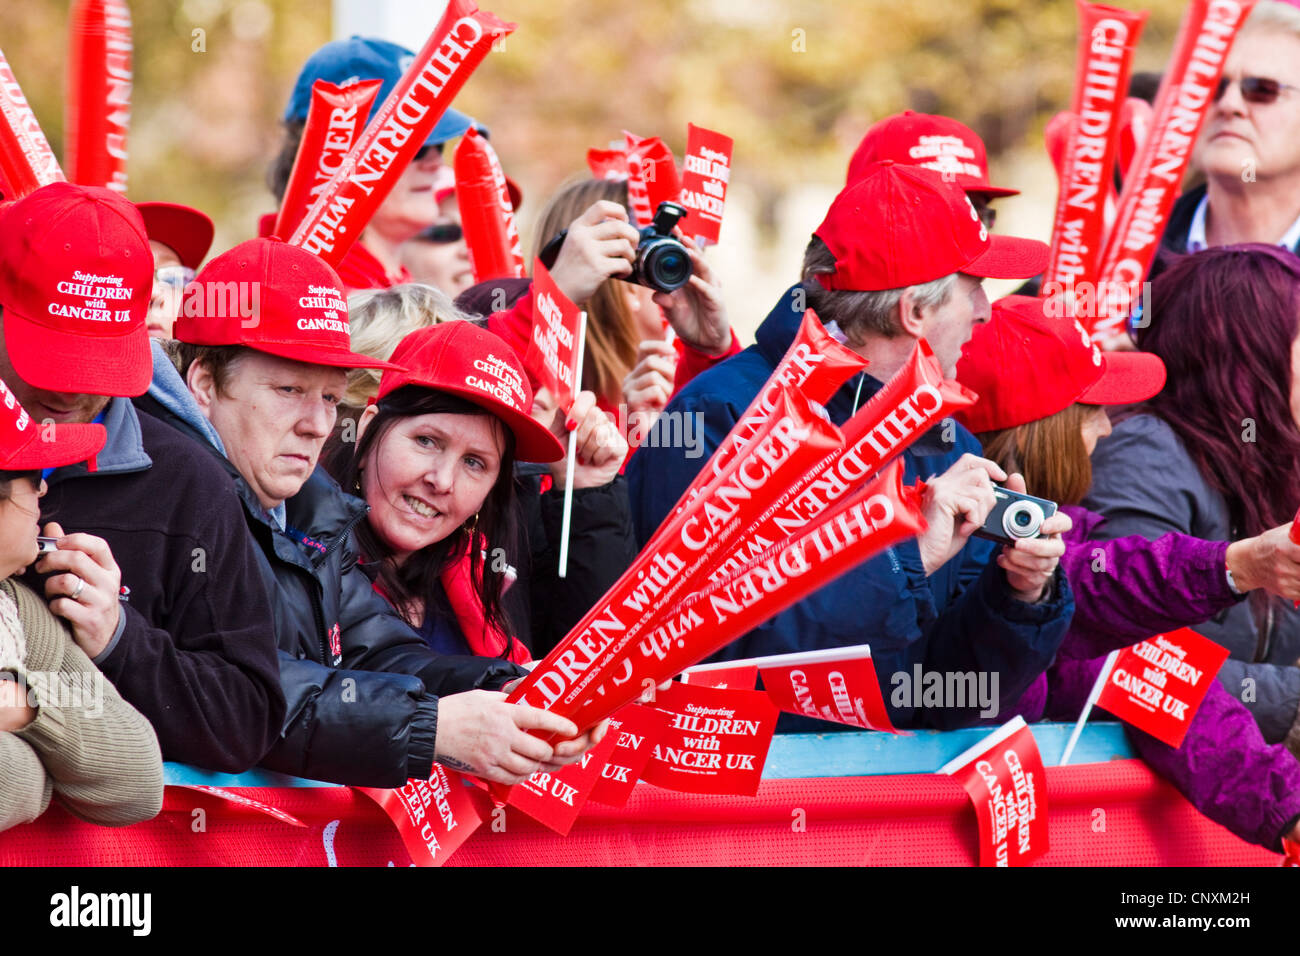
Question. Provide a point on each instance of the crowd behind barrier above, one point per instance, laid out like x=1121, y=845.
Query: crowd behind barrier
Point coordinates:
x=456, y=548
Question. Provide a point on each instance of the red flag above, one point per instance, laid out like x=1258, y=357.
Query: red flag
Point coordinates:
x=608, y=163
x=651, y=178
x=1156, y=176
x=555, y=799
x=836, y=683
x=725, y=675
x=435, y=816
x=26, y=160
x=1158, y=684
x=98, y=110
x=637, y=729
x=1108, y=37
x=705, y=172
x=553, y=351
x=716, y=742
x=398, y=130
x=486, y=212
x=335, y=118
x=1003, y=774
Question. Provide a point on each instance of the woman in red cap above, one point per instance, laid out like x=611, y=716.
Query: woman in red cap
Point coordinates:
x=1043, y=388
x=99, y=756
x=435, y=461
x=543, y=606
x=370, y=703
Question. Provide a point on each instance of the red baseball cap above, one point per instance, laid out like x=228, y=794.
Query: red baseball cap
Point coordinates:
x=931, y=142
x=275, y=298
x=26, y=445
x=183, y=229
x=465, y=360
x=1026, y=365
x=900, y=225
x=76, y=276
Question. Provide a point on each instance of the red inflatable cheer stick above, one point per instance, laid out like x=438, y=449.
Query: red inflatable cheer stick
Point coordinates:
x=99, y=93
x=486, y=212
x=26, y=160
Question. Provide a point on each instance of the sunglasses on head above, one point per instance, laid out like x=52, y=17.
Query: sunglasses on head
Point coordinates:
x=1254, y=89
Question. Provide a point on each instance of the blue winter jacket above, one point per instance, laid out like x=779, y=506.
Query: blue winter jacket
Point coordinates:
x=963, y=618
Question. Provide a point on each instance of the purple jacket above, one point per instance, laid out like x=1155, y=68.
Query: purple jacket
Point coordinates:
x=1126, y=590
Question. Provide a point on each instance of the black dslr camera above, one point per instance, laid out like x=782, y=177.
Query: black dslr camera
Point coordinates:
x=662, y=262
x=1015, y=516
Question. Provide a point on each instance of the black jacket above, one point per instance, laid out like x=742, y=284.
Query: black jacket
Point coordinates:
x=195, y=653
x=543, y=606
x=361, y=686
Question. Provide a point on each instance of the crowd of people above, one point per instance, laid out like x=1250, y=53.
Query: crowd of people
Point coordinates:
x=308, y=539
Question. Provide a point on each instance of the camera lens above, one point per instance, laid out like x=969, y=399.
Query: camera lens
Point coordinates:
x=1022, y=519
x=663, y=264
x=668, y=267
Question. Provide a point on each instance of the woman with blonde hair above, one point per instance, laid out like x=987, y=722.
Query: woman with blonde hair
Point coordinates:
x=378, y=320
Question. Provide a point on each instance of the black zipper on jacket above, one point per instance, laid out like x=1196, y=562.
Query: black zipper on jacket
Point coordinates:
x=317, y=607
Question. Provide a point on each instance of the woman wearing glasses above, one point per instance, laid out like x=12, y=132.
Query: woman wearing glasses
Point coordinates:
x=179, y=237
x=1250, y=144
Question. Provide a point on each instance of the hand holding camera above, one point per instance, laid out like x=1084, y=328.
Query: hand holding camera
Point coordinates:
x=1031, y=557
x=598, y=245
x=964, y=501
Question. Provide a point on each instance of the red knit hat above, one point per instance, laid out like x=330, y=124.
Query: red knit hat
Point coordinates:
x=902, y=225
x=1025, y=366
x=76, y=276
x=932, y=142
x=275, y=298
x=475, y=364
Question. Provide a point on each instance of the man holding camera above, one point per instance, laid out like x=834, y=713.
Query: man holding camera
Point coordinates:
x=899, y=257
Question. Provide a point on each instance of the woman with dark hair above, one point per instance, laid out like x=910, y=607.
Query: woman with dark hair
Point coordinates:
x=435, y=461
x=369, y=703
x=1042, y=390
x=545, y=606
x=1216, y=454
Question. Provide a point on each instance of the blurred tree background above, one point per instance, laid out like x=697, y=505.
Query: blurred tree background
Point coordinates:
x=795, y=82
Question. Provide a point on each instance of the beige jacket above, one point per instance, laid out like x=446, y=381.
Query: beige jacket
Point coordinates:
x=87, y=744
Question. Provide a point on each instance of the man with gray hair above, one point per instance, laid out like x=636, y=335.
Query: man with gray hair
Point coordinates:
x=1249, y=147
x=900, y=257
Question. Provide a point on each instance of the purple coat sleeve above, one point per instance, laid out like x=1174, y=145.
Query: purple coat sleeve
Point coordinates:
x=1129, y=588
x=1224, y=767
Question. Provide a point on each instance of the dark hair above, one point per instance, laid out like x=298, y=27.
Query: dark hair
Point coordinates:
x=1224, y=321
x=7, y=478
x=1049, y=452
x=277, y=176
x=497, y=524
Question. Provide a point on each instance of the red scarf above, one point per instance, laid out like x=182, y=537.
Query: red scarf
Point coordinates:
x=484, y=639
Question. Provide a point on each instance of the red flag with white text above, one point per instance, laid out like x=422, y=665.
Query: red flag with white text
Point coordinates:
x=1003, y=775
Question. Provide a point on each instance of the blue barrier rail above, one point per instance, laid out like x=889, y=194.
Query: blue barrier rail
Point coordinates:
x=810, y=755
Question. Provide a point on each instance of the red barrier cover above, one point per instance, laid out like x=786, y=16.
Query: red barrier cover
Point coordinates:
x=912, y=820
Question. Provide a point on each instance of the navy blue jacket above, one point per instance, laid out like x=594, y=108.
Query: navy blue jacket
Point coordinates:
x=962, y=618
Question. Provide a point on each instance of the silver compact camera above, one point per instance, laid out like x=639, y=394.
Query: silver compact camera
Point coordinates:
x=1015, y=516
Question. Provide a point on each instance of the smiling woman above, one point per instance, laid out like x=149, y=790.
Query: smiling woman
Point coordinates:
x=263, y=396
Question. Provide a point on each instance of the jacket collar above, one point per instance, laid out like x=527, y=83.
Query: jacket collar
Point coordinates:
x=123, y=452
